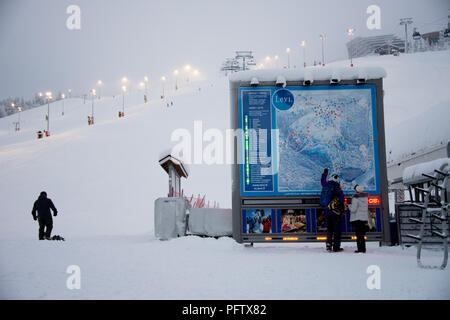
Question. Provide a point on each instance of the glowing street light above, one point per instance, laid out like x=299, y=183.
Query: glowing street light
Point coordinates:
x=322, y=37
x=303, y=44
x=267, y=60
x=100, y=84
x=187, y=68
x=48, y=94
x=288, y=51
x=19, y=109
x=163, y=79
x=146, y=82
x=63, y=96
x=124, y=89
x=350, y=33
x=176, y=72
x=70, y=93
x=93, y=93
x=276, y=60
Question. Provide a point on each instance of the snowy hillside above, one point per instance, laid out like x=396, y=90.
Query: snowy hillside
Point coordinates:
x=104, y=179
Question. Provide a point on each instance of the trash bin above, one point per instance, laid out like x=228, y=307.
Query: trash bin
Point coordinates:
x=40, y=135
x=170, y=218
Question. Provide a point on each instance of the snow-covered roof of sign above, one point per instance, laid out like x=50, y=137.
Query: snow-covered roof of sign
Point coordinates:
x=414, y=174
x=180, y=167
x=317, y=73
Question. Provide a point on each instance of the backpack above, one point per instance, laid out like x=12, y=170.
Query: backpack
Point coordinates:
x=327, y=193
x=336, y=206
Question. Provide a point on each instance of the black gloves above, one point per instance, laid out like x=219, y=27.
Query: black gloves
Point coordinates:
x=34, y=218
x=54, y=214
x=325, y=170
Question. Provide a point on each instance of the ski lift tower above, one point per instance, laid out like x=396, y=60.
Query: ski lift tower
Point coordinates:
x=247, y=59
x=176, y=170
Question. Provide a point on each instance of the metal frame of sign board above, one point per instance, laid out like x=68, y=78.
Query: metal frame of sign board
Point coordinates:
x=240, y=202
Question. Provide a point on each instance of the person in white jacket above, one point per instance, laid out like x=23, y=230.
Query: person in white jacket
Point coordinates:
x=359, y=216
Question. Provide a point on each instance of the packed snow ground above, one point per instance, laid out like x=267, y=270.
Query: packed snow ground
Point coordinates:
x=104, y=179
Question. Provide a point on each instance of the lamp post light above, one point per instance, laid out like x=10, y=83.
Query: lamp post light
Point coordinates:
x=146, y=83
x=48, y=94
x=276, y=61
x=176, y=72
x=70, y=93
x=100, y=84
x=163, y=79
x=187, y=68
x=93, y=93
x=322, y=37
x=18, y=121
x=63, y=96
x=267, y=60
x=288, y=51
x=19, y=109
x=350, y=33
x=303, y=44
x=124, y=89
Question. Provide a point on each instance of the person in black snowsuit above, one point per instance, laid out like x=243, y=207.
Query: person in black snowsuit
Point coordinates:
x=334, y=221
x=42, y=207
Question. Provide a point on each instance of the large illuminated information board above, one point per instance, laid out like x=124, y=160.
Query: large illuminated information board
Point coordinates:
x=287, y=135
x=291, y=134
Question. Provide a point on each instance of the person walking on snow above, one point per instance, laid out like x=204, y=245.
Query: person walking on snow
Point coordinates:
x=359, y=217
x=42, y=207
x=334, y=221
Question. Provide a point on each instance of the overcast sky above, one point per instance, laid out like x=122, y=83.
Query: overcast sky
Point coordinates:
x=135, y=38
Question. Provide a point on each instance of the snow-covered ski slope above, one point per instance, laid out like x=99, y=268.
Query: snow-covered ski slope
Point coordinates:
x=104, y=179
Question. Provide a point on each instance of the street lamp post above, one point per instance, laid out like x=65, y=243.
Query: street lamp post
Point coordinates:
x=92, y=112
x=70, y=93
x=187, y=68
x=176, y=72
x=18, y=122
x=303, y=44
x=124, y=89
x=322, y=37
x=288, y=51
x=163, y=79
x=100, y=84
x=350, y=33
x=63, y=96
x=276, y=61
x=146, y=82
x=48, y=94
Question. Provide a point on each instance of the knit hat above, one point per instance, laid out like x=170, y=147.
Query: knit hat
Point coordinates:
x=358, y=188
x=335, y=177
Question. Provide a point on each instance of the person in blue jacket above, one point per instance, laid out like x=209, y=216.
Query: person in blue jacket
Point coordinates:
x=42, y=207
x=334, y=221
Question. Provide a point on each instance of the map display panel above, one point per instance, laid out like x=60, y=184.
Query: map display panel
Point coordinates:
x=307, y=129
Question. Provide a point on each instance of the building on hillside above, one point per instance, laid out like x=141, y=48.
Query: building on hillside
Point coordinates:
x=385, y=44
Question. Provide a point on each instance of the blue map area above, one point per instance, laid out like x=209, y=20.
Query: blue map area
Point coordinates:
x=327, y=129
